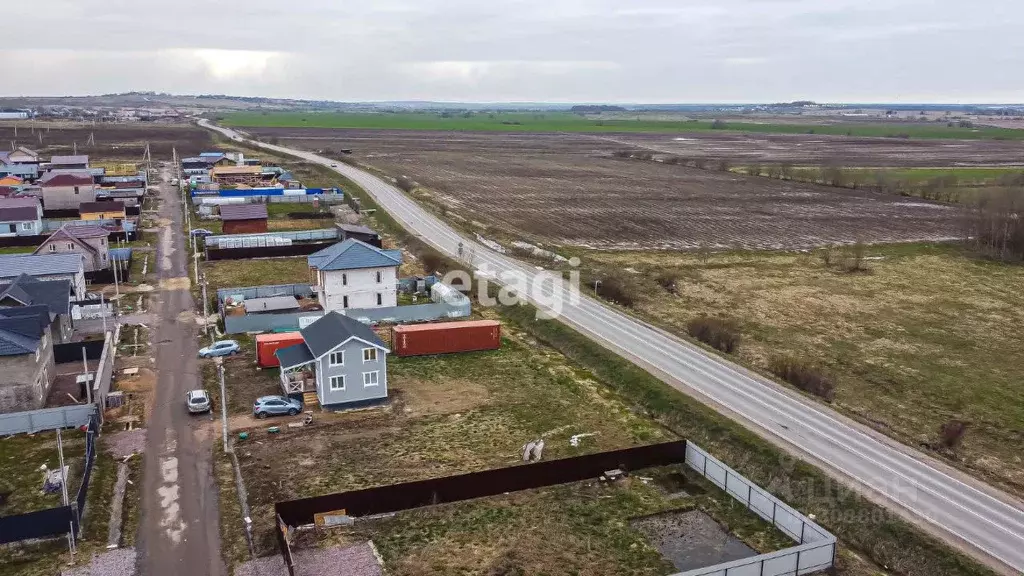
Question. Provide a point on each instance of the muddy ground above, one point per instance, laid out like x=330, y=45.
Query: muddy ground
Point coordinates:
x=112, y=141
x=569, y=189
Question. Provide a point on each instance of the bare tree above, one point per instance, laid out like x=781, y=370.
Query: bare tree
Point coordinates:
x=995, y=226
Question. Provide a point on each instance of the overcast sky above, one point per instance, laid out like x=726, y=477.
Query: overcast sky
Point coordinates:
x=645, y=51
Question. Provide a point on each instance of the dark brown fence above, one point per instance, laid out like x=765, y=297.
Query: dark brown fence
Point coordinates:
x=54, y=521
x=397, y=497
x=72, y=352
x=265, y=252
x=36, y=240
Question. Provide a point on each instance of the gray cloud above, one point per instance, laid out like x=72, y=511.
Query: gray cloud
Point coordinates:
x=522, y=50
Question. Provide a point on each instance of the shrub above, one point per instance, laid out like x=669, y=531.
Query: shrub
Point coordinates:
x=405, y=183
x=804, y=376
x=720, y=333
x=667, y=280
x=432, y=261
x=617, y=290
x=854, y=262
x=951, y=434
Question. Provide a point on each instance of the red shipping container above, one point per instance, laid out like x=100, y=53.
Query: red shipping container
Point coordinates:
x=267, y=344
x=446, y=337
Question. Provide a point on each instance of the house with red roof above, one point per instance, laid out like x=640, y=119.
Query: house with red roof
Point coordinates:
x=67, y=190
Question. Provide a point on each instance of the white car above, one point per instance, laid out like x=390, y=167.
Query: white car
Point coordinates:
x=198, y=401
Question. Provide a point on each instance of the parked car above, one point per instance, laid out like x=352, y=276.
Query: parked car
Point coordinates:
x=174, y=181
x=198, y=401
x=201, y=232
x=275, y=405
x=220, y=348
x=334, y=165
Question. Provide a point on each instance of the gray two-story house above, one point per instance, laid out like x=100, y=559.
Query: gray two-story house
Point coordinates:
x=26, y=358
x=341, y=364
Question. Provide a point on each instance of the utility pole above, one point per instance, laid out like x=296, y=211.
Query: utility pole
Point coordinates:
x=88, y=384
x=117, y=290
x=64, y=491
x=103, y=313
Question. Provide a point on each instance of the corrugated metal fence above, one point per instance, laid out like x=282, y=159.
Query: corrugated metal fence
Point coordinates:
x=32, y=421
x=816, y=547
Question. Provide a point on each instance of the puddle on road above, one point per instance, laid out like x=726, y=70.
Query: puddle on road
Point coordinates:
x=691, y=539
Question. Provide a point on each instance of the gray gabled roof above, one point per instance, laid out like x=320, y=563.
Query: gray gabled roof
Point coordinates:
x=332, y=329
x=21, y=329
x=357, y=229
x=55, y=295
x=14, y=265
x=353, y=254
x=293, y=356
x=66, y=160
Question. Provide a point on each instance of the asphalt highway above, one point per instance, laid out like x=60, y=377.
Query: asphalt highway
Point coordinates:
x=984, y=522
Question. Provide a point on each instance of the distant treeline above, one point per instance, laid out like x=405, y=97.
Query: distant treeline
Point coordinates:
x=595, y=109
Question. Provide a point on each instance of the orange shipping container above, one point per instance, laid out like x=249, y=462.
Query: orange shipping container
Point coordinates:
x=267, y=344
x=446, y=337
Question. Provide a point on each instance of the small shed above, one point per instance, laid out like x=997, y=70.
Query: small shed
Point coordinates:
x=102, y=210
x=244, y=218
x=361, y=233
x=271, y=305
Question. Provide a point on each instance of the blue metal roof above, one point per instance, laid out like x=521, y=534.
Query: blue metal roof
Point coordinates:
x=120, y=254
x=353, y=254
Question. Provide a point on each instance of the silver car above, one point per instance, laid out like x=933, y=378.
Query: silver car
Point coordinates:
x=275, y=405
x=198, y=401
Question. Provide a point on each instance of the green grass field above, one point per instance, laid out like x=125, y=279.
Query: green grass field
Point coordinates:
x=566, y=122
x=966, y=176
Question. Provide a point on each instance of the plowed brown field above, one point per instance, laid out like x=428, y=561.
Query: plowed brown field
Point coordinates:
x=568, y=189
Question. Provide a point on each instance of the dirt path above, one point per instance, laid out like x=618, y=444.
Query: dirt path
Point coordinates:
x=179, y=531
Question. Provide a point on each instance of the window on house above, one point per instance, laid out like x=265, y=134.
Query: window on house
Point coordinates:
x=371, y=378
x=53, y=247
x=344, y=279
x=103, y=241
x=380, y=276
x=71, y=246
x=337, y=383
x=344, y=301
x=104, y=257
x=337, y=358
x=369, y=354
x=380, y=299
x=76, y=189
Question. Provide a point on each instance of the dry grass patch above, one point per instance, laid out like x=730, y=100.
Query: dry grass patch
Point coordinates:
x=257, y=272
x=929, y=335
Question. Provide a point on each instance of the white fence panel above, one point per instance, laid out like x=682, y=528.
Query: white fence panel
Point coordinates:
x=815, y=549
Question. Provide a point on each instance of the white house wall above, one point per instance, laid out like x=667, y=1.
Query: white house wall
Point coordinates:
x=361, y=288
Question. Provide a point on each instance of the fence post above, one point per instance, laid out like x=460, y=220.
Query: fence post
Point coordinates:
x=803, y=525
x=797, y=571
